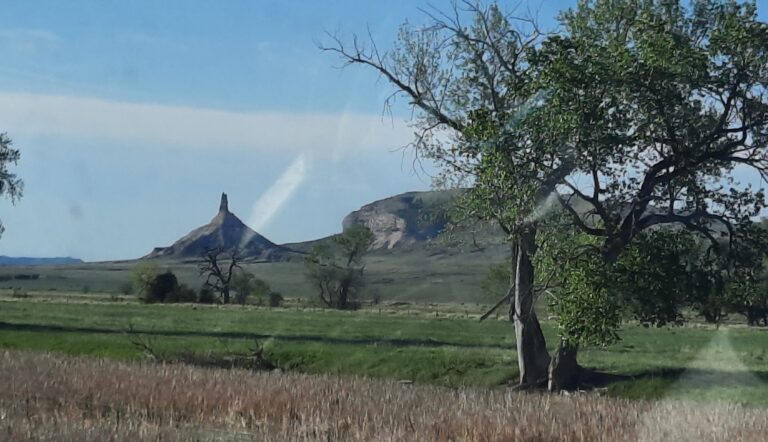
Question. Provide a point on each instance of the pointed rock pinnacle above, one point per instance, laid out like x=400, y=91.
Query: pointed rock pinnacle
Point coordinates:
x=224, y=205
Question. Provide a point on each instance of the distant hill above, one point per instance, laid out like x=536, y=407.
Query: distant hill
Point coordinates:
x=398, y=222
x=27, y=261
x=405, y=219
x=416, y=220
x=227, y=232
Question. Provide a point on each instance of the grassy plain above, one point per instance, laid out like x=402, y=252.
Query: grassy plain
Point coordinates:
x=423, y=275
x=448, y=349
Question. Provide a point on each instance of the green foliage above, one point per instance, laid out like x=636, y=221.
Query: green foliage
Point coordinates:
x=165, y=288
x=748, y=296
x=275, y=299
x=497, y=281
x=206, y=296
x=657, y=104
x=338, y=272
x=354, y=243
x=747, y=290
x=142, y=274
x=655, y=275
x=10, y=185
x=247, y=285
x=161, y=287
x=182, y=293
x=582, y=296
x=126, y=287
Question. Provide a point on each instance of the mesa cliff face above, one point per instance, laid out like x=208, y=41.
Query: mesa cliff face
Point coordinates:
x=225, y=231
x=403, y=220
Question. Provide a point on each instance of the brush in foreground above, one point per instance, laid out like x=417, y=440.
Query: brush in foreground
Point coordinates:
x=53, y=397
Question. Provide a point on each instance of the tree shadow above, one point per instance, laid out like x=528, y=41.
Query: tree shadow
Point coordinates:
x=667, y=376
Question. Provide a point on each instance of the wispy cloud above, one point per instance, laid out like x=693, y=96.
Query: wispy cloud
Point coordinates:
x=277, y=195
x=201, y=128
x=141, y=40
x=28, y=40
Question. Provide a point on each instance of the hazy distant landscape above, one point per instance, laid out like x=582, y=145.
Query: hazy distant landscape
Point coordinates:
x=437, y=267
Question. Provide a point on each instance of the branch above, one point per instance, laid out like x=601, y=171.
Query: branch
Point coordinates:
x=565, y=204
x=501, y=301
x=689, y=222
x=357, y=56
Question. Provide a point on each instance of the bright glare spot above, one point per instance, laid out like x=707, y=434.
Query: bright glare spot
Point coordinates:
x=277, y=195
x=543, y=208
x=716, y=368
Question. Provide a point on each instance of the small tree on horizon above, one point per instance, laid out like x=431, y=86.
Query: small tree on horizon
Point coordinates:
x=337, y=270
x=246, y=284
x=142, y=275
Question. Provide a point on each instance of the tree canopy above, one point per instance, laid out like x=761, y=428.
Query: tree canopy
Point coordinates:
x=337, y=269
x=639, y=113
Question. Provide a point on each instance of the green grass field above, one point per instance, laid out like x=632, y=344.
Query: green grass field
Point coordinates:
x=452, y=349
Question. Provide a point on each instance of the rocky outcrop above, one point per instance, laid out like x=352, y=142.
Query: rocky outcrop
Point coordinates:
x=403, y=220
x=225, y=231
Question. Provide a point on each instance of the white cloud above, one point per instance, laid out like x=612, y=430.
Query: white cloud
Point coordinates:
x=146, y=40
x=191, y=127
x=28, y=40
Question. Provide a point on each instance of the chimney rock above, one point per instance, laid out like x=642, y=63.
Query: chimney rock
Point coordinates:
x=224, y=205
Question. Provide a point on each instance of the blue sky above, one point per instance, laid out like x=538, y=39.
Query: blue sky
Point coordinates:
x=133, y=116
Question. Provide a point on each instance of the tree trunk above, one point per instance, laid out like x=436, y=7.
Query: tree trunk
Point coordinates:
x=564, y=371
x=753, y=317
x=532, y=356
x=225, y=293
x=343, y=295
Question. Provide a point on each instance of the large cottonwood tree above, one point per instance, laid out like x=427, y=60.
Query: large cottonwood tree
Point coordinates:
x=636, y=115
x=662, y=107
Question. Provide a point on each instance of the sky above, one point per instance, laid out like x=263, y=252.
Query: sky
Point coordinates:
x=133, y=116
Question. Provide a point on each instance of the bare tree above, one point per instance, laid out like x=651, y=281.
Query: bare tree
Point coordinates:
x=218, y=273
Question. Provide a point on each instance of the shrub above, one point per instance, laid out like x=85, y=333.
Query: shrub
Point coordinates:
x=246, y=284
x=142, y=275
x=206, y=296
x=376, y=297
x=126, y=287
x=26, y=277
x=160, y=287
x=275, y=299
x=182, y=293
x=18, y=292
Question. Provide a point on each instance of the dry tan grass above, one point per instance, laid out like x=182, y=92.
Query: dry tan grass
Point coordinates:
x=53, y=397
